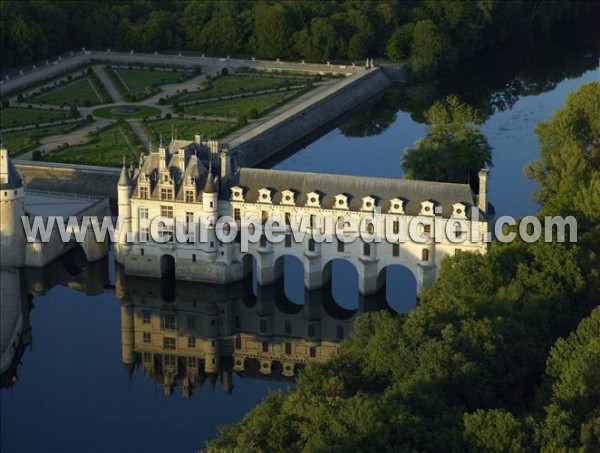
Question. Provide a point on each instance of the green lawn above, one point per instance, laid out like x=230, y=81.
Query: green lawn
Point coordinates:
x=144, y=82
x=21, y=141
x=186, y=128
x=108, y=148
x=15, y=116
x=241, y=106
x=80, y=92
x=229, y=85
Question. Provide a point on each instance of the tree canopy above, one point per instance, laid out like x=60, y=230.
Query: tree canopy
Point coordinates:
x=454, y=150
x=427, y=34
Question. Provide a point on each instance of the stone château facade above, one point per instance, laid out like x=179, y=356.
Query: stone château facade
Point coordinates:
x=177, y=181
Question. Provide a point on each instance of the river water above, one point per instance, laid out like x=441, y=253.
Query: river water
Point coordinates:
x=74, y=383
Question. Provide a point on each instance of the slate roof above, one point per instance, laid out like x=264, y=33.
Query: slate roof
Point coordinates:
x=412, y=192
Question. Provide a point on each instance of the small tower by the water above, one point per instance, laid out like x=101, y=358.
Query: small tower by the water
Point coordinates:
x=124, y=203
x=12, y=194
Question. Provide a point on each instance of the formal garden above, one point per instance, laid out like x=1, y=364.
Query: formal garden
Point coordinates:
x=97, y=114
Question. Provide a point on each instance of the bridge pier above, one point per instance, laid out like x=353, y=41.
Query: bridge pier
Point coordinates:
x=315, y=274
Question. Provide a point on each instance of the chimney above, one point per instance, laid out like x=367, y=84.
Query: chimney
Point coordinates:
x=225, y=170
x=198, y=138
x=482, y=202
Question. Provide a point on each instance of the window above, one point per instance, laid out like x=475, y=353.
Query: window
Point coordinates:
x=237, y=214
x=265, y=216
x=288, y=326
x=143, y=213
x=166, y=193
x=313, y=351
x=396, y=249
x=166, y=231
x=142, y=252
x=265, y=347
x=311, y=245
x=396, y=227
x=263, y=241
x=144, y=193
x=367, y=250
x=370, y=228
x=147, y=337
x=169, y=322
x=340, y=246
x=263, y=325
x=189, y=196
x=191, y=342
x=166, y=211
x=189, y=218
x=170, y=360
x=311, y=330
x=146, y=317
x=288, y=240
x=314, y=221
x=238, y=343
x=458, y=233
x=191, y=322
x=143, y=235
x=168, y=343
x=147, y=357
x=287, y=219
x=340, y=332
x=288, y=348
x=427, y=228
x=425, y=255
x=192, y=362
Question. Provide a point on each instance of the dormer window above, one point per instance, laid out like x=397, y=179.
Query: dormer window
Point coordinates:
x=237, y=193
x=288, y=197
x=397, y=206
x=341, y=202
x=264, y=195
x=427, y=208
x=368, y=204
x=313, y=199
x=459, y=210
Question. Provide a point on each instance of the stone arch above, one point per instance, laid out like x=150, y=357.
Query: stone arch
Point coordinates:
x=344, y=276
x=399, y=287
x=167, y=277
x=292, y=283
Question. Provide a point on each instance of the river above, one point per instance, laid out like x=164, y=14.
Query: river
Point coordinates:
x=72, y=384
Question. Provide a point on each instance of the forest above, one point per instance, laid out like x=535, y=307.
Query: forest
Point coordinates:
x=426, y=34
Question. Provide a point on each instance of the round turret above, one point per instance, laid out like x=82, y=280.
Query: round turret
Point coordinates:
x=12, y=194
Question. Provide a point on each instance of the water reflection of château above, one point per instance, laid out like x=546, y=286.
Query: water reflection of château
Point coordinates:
x=18, y=289
x=185, y=335
x=209, y=332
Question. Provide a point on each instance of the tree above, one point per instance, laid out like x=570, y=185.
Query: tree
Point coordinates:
x=454, y=150
x=569, y=171
x=572, y=391
x=427, y=49
x=272, y=30
x=398, y=46
x=495, y=430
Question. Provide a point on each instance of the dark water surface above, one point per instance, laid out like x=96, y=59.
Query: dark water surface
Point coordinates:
x=72, y=391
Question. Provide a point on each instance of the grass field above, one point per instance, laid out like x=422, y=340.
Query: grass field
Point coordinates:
x=144, y=82
x=108, y=148
x=80, y=92
x=15, y=116
x=186, y=128
x=229, y=85
x=241, y=106
x=21, y=141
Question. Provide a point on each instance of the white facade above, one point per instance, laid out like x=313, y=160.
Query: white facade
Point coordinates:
x=264, y=194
